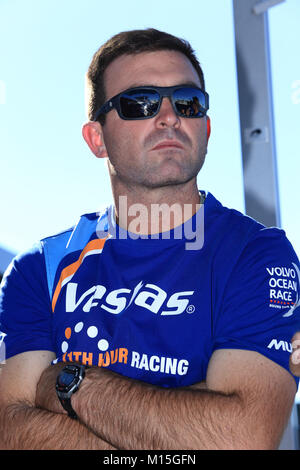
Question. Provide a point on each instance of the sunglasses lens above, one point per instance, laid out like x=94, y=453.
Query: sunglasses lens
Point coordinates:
x=189, y=102
x=139, y=103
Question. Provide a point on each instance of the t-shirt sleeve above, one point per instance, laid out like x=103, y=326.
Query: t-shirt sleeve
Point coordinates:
x=260, y=306
x=25, y=310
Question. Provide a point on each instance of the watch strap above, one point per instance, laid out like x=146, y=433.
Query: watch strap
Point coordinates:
x=66, y=404
x=65, y=395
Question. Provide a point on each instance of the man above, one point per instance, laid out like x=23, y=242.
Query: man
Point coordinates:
x=165, y=323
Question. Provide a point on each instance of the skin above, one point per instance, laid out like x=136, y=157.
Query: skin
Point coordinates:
x=295, y=356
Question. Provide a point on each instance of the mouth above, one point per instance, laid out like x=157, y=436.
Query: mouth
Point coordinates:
x=166, y=144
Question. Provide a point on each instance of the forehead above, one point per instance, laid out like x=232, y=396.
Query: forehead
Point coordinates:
x=160, y=68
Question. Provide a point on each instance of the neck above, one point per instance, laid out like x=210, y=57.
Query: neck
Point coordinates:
x=148, y=211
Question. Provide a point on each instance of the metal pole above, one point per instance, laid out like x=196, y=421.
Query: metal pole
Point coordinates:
x=257, y=129
x=256, y=110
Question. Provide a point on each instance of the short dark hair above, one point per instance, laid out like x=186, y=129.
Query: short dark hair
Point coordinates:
x=131, y=42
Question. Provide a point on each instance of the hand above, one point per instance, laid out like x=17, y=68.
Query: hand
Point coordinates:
x=46, y=396
x=295, y=356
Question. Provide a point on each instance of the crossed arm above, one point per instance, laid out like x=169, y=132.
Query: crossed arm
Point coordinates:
x=245, y=404
x=25, y=426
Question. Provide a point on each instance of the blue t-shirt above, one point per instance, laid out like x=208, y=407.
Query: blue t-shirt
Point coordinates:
x=155, y=308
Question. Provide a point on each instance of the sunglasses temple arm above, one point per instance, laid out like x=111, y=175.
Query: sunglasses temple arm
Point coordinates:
x=108, y=106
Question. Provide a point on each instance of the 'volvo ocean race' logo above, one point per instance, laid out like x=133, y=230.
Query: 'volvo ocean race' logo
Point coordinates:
x=284, y=288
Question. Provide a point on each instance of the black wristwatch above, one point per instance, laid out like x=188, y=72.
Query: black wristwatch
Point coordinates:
x=68, y=382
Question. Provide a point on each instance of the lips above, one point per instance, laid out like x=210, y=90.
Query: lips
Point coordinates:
x=168, y=144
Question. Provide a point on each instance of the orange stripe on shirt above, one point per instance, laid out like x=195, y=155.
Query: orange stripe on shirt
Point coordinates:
x=72, y=268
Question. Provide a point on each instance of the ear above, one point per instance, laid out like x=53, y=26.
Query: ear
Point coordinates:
x=208, y=128
x=93, y=135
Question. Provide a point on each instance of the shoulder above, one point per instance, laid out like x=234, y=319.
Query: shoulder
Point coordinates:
x=238, y=234
x=30, y=260
x=88, y=219
x=38, y=260
x=66, y=246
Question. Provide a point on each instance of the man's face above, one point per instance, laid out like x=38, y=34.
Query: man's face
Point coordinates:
x=166, y=149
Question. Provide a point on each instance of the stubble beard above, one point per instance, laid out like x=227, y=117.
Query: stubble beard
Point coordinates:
x=157, y=172
x=156, y=169
x=152, y=177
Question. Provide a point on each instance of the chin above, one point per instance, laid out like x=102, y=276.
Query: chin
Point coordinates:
x=168, y=175
x=161, y=182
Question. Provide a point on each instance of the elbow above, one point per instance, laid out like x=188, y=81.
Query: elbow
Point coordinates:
x=260, y=438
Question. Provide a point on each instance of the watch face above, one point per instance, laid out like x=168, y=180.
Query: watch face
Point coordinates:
x=65, y=378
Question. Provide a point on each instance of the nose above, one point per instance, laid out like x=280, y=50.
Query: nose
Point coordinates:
x=167, y=116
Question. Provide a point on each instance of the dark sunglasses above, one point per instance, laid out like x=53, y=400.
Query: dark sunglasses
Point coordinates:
x=144, y=102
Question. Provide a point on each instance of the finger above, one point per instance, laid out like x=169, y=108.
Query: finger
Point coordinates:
x=296, y=340
x=294, y=361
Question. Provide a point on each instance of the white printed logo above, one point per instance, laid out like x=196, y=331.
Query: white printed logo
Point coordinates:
x=163, y=364
x=280, y=344
x=149, y=296
x=283, y=285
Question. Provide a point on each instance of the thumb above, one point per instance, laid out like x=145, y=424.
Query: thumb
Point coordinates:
x=295, y=356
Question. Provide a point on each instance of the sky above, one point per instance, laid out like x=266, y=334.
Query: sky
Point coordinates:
x=48, y=175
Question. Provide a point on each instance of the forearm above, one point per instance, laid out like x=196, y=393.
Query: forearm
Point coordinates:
x=135, y=415
x=25, y=427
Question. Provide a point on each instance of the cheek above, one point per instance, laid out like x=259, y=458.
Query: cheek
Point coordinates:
x=112, y=134
x=121, y=143
x=198, y=133
x=125, y=137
